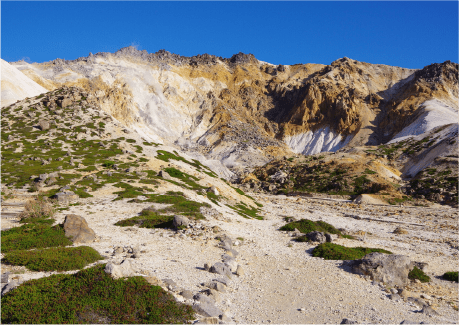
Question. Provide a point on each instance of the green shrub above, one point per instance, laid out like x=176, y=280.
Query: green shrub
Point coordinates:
x=54, y=259
x=33, y=236
x=419, y=274
x=330, y=251
x=148, y=219
x=306, y=226
x=451, y=276
x=92, y=296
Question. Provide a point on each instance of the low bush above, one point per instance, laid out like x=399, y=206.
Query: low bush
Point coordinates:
x=306, y=226
x=92, y=296
x=39, y=207
x=419, y=274
x=54, y=259
x=451, y=276
x=330, y=251
x=31, y=236
x=148, y=219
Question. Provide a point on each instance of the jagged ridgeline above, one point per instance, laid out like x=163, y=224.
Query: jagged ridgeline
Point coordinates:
x=245, y=111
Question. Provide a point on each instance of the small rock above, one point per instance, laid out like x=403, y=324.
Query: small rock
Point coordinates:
x=348, y=321
x=208, y=320
x=395, y=296
x=400, y=231
x=154, y=281
x=331, y=237
x=218, y=286
x=124, y=269
x=207, y=309
x=393, y=291
x=10, y=286
x=221, y=268
x=180, y=221
x=317, y=236
x=418, y=302
x=213, y=190
x=5, y=277
x=43, y=125
x=428, y=310
x=187, y=294
x=207, y=266
x=239, y=271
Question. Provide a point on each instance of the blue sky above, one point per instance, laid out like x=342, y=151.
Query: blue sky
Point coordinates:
x=407, y=34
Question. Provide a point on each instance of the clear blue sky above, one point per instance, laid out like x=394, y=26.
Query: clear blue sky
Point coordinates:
x=406, y=34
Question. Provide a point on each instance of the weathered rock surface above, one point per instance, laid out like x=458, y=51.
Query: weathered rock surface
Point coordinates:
x=77, y=229
x=389, y=269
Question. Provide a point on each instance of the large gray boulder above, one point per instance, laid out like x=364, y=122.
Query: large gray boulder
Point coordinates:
x=386, y=268
x=77, y=229
x=65, y=196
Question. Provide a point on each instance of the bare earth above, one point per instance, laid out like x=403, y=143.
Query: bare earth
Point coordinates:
x=283, y=283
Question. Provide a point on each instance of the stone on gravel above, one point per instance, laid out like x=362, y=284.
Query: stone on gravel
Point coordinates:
x=317, y=236
x=331, y=237
x=77, y=228
x=5, y=277
x=218, y=286
x=64, y=196
x=207, y=266
x=225, y=281
x=164, y=174
x=124, y=269
x=187, y=294
x=389, y=269
x=232, y=264
x=43, y=125
x=213, y=294
x=202, y=298
x=154, y=281
x=231, y=251
x=10, y=286
x=180, y=221
x=221, y=269
x=226, y=257
x=213, y=190
x=208, y=320
x=428, y=310
x=395, y=296
x=348, y=321
x=239, y=271
x=418, y=302
x=207, y=309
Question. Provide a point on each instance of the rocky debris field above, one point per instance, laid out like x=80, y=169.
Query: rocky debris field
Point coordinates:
x=127, y=207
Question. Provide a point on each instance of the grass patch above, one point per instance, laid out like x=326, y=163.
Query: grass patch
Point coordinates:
x=451, y=276
x=162, y=218
x=33, y=236
x=92, y=296
x=54, y=259
x=419, y=274
x=330, y=251
x=247, y=212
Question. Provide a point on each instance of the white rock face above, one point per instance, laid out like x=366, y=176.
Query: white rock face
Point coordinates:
x=16, y=85
x=321, y=140
x=433, y=113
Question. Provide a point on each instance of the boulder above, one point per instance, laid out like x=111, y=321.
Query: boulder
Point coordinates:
x=5, y=277
x=390, y=269
x=65, y=196
x=221, y=269
x=317, y=236
x=10, y=286
x=124, y=269
x=239, y=271
x=213, y=190
x=77, y=228
x=214, y=285
x=187, y=294
x=232, y=264
x=64, y=102
x=180, y=221
x=207, y=309
x=43, y=125
x=331, y=237
x=164, y=174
